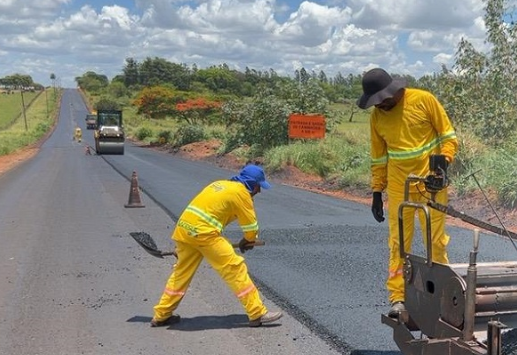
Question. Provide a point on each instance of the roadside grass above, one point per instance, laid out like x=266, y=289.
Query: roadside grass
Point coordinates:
x=11, y=105
x=21, y=132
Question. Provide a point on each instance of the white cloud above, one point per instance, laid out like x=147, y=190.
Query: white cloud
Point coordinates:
x=443, y=58
x=406, y=36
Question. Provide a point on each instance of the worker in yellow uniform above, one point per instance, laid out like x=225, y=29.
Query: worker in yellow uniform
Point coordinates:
x=198, y=235
x=78, y=134
x=407, y=126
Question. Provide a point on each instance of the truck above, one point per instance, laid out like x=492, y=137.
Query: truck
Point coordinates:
x=109, y=132
x=91, y=121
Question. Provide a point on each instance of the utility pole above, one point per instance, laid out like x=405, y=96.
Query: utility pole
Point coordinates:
x=46, y=100
x=23, y=110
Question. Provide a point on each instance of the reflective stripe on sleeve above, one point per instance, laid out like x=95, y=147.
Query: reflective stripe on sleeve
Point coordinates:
x=380, y=161
x=250, y=227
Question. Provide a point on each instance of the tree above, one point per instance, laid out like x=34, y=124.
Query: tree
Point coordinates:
x=157, y=102
x=322, y=77
x=158, y=71
x=197, y=110
x=220, y=80
x=93, y=82
x=479, y=94
x=17, y=81
x=131, y=72
x=53, y=79
x=262, y=123
x=117, y=89
x=106, y=103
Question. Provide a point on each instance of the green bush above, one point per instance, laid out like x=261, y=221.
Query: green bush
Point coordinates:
x=143, y=132
x=42, y=128
x=107, y=103
x=164, y=137
x=187, y=134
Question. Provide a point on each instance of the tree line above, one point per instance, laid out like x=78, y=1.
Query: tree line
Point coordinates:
x=219, y=80
x=19, y=81
x=479, y=91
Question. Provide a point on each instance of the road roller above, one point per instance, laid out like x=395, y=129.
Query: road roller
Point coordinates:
x=454, y=309
x=109, y=133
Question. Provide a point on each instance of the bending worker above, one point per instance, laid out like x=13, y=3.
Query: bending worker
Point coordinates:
x=407, y=126
x=198, y=235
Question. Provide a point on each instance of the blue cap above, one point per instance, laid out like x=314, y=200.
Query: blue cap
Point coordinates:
x=256, y=173
x=252, y=175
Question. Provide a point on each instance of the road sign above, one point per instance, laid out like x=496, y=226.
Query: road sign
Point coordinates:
x=306, y=126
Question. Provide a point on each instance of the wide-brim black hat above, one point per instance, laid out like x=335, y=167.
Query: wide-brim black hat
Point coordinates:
x=378, y=86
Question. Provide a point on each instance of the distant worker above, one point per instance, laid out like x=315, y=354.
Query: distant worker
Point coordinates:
x=407, y=126
x=198, y=235
x=78, y=134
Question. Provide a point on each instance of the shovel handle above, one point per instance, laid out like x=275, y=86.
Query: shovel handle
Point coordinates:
x=166, y=253
x=256, y=243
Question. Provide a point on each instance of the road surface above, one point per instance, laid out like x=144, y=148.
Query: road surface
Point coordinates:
x=72, y=280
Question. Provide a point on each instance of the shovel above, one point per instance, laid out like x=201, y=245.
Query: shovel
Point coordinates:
x=147, y=242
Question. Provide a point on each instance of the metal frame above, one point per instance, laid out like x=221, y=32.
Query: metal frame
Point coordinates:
x=441, y=299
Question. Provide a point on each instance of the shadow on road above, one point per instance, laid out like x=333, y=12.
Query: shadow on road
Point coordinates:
x=207, y=322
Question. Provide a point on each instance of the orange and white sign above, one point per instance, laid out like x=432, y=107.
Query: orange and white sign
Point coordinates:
x=306, y=126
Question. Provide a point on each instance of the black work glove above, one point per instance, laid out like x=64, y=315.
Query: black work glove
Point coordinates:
x=377, y=207
x=245, y=245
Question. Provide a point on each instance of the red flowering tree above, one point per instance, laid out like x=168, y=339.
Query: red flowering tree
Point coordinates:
x=198, y=110
x=157, y=102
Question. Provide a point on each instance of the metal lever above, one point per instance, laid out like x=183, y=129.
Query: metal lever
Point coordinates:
x=470, y=293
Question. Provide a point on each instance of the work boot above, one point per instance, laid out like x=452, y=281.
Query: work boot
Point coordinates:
x=269, y=317
x=175, y=318
x=396, y=308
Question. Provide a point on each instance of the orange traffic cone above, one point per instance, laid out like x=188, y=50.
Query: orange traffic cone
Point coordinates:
x=134, y=193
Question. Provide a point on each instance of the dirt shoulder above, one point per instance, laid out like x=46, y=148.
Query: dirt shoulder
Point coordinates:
x=8, y=162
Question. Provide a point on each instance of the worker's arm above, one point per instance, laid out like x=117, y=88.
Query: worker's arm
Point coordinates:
x=443, y=126
x=247, y=219
x=379, y=158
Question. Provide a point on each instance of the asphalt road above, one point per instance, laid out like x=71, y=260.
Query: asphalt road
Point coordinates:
x=72, y=280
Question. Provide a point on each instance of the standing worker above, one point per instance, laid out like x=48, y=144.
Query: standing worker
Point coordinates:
x=198, y=235
x=407, y=126
x=78, y=134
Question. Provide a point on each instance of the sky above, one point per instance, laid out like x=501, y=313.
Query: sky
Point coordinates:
x=67, y=38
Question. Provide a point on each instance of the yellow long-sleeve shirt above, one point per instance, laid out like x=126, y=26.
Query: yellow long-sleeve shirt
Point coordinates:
x=216, y=206
x=403, y=138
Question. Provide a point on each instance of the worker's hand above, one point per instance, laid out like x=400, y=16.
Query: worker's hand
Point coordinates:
x=245, y=245
x=377, y=207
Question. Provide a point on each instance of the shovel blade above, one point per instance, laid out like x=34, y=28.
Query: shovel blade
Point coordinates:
x=147, y=243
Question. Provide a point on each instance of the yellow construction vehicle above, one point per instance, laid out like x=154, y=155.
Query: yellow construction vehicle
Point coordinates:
x=109, y=132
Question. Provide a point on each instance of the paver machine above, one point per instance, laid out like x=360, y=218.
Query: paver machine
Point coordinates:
x=109, y=132
x=455, y=309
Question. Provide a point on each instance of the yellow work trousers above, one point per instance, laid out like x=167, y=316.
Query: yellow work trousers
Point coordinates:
x=220, y=254
x=439, y=239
